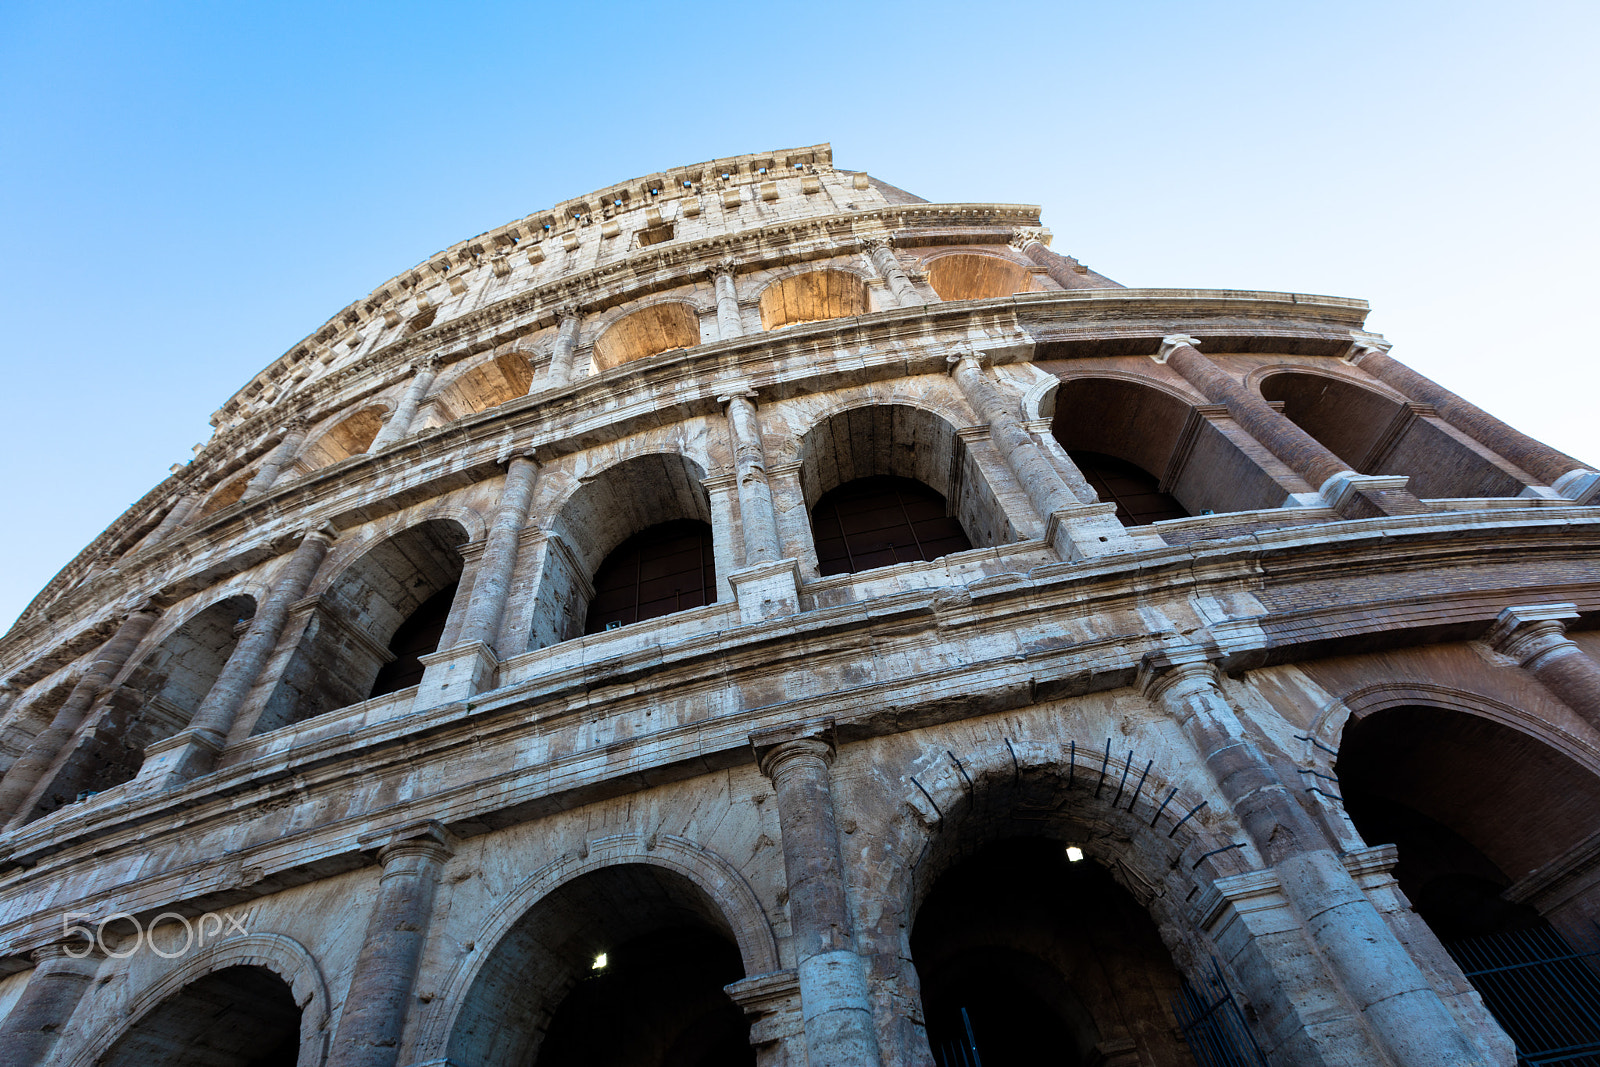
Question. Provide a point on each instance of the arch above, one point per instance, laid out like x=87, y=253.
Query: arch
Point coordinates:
x=1376, y=433
x=487, y=384
x=594, y=517
x=350, y=436
x=451, y=1027
x=225, y=495
x=155, y=699
x=367, y=598
x=901, y=440
x=1128, y=820
x=969, y=275
x=1175, y=451
x=649, y=331
x=812, y=296
x=33, y=711
x=277, y=954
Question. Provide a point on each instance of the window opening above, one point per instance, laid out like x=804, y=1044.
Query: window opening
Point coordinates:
x=1136, y=492
x=417, y=637
x=881, y=521
x=661, y=570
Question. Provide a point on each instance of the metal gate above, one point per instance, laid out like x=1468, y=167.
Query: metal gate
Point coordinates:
x=1542, y=989
x=1213, y=1025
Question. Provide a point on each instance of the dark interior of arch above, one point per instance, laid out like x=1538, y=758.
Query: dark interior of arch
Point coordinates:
x=666, y=568
x=1205, y=469
x=1471, y=805
x=417, y=636
x=1047, y=961
x=347, y=638
x=158, y=699
x=658, y=1002
x=235, y=1017
x=1376, y=434
x=880, y=521
x=1136, y=492
x=902, y=441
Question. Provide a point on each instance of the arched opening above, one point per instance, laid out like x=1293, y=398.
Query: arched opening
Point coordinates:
x=664, y=569
x=647, y=332
x=1474, y=809
x=880, y=521
x=974, y=276
x=812, y=297
x=349, y=437
x=900, y=466
x=1472, y=805
x=31, y=713
x=1139, y=442
x=1376, y=434
x=225, y=496
x=384, y=610
x=236, y=1017
x=1135, y=491
x=491, y=383
x=158, y=698
x=621, y=967
x=1033, y=958
x=655, y=504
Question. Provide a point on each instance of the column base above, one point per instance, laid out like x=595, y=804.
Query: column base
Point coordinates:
x=172, y=761
x=1086, y=531
x=1368, y=496
x=1580, y=486
x=767, y=590
x=455, y=674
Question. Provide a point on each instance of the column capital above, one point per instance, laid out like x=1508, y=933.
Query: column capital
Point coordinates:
x=725, y=265
x=568, y=310
x=1527, y=631
x=737, y=391
x=431, y=362
x=876, y=243
x=1163, y=673
x=295, y=423
x=1023, y=236
x=1363, y=345
x=67, y=948
x=1173, y=341
x=976, y=358
x=778, y=748
x=427, y=838
x=322, y=531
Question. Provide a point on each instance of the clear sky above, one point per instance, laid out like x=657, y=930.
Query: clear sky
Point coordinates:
x=187, y=190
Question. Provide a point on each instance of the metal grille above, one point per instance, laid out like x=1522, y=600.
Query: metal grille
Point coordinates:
x=665, y=568
x=881, y=521
x=1542, y=989
x=1213, y=1025
x=961, y=1051
x=1136, y=493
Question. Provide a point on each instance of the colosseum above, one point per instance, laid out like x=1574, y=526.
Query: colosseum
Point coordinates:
x=751, y=615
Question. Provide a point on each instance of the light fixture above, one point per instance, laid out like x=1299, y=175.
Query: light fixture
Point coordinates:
x=1074, y=853
x=599, y=963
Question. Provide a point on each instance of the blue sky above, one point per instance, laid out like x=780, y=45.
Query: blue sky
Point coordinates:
x=189, y=189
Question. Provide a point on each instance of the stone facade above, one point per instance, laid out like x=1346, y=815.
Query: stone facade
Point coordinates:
x=823, y=812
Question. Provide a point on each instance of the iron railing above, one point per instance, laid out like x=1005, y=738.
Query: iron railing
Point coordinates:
x=1543, y=990
x=961, y=1051
x=1213, y=1025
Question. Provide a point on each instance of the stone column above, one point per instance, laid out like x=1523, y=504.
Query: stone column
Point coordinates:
x=1063, y=270
x=1354, y=496
x=194, y=750
x=728, y=324
x=62, y=973
x=423, y=372
x=1535, y=635
x=1387, y=988
x=560, y=371
x=1569, y=477
x=294, y=435
x=888, y=264
x=833, y=985
x=1076, y=528
x=756, y=513
x=374, y=1013
x=175, y=517
x=23, y=776
x=493, y=577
